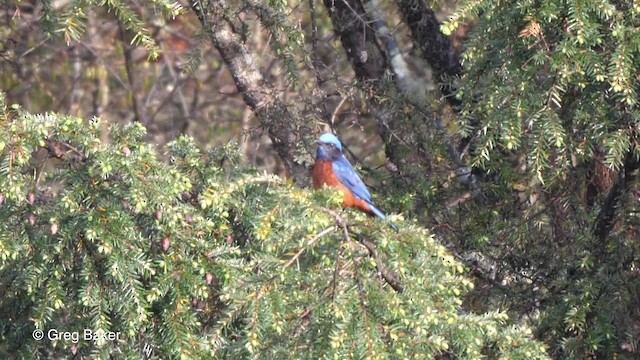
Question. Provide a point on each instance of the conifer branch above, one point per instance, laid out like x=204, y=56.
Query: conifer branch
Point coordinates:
x=383, y=270
x=386, y=274
x=57, y=149
x=309, y=243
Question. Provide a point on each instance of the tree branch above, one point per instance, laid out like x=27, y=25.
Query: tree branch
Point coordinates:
x=386, y=274
x=64, y=151
x=607, y=216
x=258, y=94
x=128, y=64
x=435, y=47
x=310, y=243
x=351, y=23
x=358, y=30
x=384, y=271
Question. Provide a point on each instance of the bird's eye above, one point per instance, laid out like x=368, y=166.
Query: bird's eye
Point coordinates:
x=332, y=145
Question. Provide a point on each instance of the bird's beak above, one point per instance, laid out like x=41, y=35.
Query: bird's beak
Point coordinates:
x=318, y=142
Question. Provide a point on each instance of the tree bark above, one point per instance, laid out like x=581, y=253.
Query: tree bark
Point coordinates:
x=351, y=23
x=607, y=216
x=359, y=23
x=435, y=47
x=257, y=93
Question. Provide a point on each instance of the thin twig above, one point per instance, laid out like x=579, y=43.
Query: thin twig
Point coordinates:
x=41, y=171
x=33, y=48
x=311, y=242
x=459, y=200
x=335, y=111
x=55, y=150
x=386, y=274
x=109, y=69
x=75, y=84
x=128, y=65
x=177, y=86
x=335, y=273
x=335, y=215
x=315, y=61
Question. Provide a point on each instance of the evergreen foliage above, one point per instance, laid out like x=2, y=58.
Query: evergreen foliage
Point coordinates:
x=558, y=81
x=550, y=97
x=203, y=258
x=72, y=21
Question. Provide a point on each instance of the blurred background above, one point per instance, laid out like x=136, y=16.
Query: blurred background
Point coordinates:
x=187, y=89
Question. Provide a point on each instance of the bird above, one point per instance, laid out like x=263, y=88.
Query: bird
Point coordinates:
x=332, y=168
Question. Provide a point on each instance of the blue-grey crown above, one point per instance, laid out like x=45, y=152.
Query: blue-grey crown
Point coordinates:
x=329, y=138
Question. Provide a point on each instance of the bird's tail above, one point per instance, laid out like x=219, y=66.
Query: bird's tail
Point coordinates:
x=377, y=212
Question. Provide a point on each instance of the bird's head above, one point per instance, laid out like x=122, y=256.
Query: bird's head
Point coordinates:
x=329, y=147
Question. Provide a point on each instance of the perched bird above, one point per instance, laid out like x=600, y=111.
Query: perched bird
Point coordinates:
x=333, y=168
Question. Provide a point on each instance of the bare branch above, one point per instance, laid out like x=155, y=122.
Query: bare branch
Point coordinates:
x=386, y=274
x=64, y=151
x=128, y=64
x=260, y=95
x=607, y=216
x=434, y=46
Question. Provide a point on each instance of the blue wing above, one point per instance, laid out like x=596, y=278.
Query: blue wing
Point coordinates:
x=349, y=178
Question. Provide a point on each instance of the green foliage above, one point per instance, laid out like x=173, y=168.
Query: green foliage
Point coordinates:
x=133, y=23
x=48, y=18
x=71, y=21
x=550, y=95
x=203, y=258
x=557, y=80
x=74, y=21
x=82, y=246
